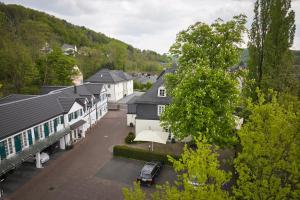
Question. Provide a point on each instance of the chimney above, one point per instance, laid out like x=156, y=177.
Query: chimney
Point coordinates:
x=75, y=89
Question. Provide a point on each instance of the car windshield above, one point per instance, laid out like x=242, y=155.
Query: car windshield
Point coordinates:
x=145, y=175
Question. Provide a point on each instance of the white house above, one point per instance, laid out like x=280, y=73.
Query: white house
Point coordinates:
x=118, y=83
x=69, y=49
x=31, y=123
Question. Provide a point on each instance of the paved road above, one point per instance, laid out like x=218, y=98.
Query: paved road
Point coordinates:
x=73, y=175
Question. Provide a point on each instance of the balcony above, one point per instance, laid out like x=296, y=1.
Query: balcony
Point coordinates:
x=14, y=161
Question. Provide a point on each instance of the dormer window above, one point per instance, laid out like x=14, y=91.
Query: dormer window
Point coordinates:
x=162, y=91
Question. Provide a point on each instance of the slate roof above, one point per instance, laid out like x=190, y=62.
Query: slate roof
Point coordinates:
x=131, y=105
x=146, y=105
x=123, y=75
x=22, y=114
x=68, y=46
x=151, y=97
x=45, y=89
x=15, y=97
x=109, y=76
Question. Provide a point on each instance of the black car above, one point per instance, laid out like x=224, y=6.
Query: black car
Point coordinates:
x=149, y=172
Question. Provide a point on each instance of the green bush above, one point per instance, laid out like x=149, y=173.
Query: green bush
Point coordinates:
x=129, y=138
x=141, y=154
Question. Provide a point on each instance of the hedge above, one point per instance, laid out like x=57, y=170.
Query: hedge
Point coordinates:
x=141, y=154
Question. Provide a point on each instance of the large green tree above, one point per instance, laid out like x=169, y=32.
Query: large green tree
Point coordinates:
x=269, y=164
x=200, y=166
x=204, y=93
x=271, y=36
x=56, y=68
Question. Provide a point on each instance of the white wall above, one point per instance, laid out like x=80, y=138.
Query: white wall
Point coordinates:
x=129, y=87
x=131, y=119
x=141, y=124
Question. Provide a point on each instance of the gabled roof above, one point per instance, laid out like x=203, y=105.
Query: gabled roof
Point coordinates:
x=45, y=89
x=151, y=96
x=94, y=88
x=123, y=75
x=15, y=97
x=66, y=103
x=25, y=113
x=68, y=46
x=109, y=76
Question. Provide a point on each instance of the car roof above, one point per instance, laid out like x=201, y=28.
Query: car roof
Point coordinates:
x=148, y=167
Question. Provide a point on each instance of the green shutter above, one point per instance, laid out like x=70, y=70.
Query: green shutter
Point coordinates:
x=2, y=150
x=29, y=137
x=46, y=129
x=18, y=145
x=36, y=133
x=55, y=124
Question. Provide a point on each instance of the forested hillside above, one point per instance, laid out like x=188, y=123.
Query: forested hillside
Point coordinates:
x=24, y=66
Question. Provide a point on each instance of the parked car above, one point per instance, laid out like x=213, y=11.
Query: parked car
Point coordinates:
x=149, y=172
x=44, y=157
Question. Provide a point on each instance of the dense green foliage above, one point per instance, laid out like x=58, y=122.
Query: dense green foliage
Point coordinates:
x=129, y=138
x=204, y=94
x=141, y=87
x=140, y=154
x=24, y=32
x=200, y=166
x=269, y=164
x=271, y=36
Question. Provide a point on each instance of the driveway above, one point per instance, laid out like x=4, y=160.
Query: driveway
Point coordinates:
x=88, y=171
x=72, y=175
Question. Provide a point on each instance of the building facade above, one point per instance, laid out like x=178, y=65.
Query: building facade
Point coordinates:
x=31, y=123
x=118, y=83
x=144, y=111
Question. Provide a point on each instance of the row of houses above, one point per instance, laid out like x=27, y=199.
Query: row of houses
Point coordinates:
x=61, y=115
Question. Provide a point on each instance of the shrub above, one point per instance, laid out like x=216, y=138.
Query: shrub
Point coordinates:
x=141, y=154
x=129, y=138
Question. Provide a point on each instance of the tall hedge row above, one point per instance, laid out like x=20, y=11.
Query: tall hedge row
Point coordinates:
x=141, y=154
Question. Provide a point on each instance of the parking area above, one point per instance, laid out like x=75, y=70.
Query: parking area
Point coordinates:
x=126, y=171
x=19, y=176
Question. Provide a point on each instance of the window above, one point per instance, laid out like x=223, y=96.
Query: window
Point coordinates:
x=22, y=140
x=5, y=147
x=10, y=146
x=51, y=126
x=62, y=119
x=108, y=85
x=40, y=131
x=24, y=137
x=108, y=95
x=81, y=112
x=160, y=109
x=162, y=91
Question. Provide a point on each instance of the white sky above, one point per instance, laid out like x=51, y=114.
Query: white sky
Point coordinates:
x=147, y=24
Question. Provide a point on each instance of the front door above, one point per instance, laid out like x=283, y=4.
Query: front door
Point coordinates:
x=46, y=129
x=18, y=145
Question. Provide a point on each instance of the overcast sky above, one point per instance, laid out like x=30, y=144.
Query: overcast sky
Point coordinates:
x=147, y=24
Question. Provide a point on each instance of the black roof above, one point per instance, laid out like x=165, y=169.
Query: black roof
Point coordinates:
x=45, y=89
x=15, y=97
x=151, y=96
x=22, y=114
x=109, y=76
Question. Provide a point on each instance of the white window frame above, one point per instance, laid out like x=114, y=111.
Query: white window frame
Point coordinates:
x=160, y=109
x=161, y=88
